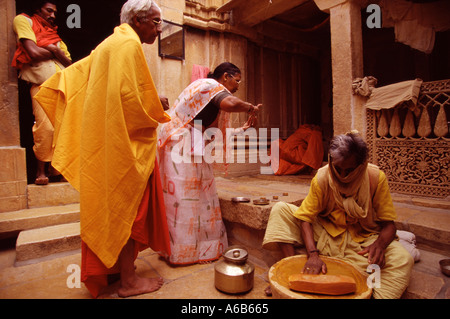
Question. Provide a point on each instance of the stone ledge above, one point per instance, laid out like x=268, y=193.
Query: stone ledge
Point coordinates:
x=427, y=218
x=423, y=286
x=421, y=201
x=42, y=242
x=249, y=214
x=53, y=194
x=431, y=226
x=38, y=217
x=13, y=188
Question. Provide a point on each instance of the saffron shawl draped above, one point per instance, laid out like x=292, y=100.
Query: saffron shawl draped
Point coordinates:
x=105, y=110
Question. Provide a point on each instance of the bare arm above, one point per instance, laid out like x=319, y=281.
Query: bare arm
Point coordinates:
x=38, y=54
x=59, y=55
x=234, y=104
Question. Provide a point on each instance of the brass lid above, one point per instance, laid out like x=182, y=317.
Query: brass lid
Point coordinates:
x=236, y=254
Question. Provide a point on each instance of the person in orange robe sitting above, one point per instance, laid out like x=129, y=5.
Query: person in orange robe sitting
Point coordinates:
x=302, y=151
x=106, y=112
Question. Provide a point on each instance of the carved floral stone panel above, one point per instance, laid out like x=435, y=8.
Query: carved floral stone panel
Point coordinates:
x=413, y=149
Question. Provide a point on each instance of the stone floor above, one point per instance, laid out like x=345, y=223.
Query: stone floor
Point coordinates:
x=52, y=278
x=48, y=279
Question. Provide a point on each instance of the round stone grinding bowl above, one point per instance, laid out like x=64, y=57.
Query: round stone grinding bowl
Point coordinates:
x=279, y=278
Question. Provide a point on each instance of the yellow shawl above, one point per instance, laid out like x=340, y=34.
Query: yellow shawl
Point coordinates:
x=105, y=110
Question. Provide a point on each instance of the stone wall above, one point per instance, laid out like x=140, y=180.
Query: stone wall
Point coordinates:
x=13, y=179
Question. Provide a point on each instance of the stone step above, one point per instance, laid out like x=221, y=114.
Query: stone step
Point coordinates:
x=427, y=281
x=431, y=226
x=53, y=194
x=13, y=222
x=46, y=241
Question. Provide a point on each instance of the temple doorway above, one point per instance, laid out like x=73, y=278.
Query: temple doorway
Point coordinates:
x=97, y=20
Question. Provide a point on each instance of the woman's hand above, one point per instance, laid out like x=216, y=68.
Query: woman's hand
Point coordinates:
x=253, y=118
x=314, y=265
x=251, y=122
x=256, y=109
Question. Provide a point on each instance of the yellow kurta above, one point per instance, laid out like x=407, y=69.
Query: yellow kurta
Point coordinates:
x=105, y=110
x=42, y=128
x=319, y=203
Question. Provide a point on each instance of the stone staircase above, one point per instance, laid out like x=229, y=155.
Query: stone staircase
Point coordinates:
x=50, y=226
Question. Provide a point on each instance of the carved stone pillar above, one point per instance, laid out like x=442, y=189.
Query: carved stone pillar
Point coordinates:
x=347, y=63
x=13, y=177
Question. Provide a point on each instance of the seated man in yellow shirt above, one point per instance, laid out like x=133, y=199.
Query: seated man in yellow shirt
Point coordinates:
x=40, y=54
x=348, y=214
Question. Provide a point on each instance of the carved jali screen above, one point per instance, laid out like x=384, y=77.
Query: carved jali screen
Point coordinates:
x=413, y=149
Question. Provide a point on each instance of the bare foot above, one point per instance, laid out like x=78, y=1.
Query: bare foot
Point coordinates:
x=41, y=180
x=41, y=177
x=139, y=286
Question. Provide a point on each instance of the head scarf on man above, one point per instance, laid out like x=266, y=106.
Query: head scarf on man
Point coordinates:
x=352, y=192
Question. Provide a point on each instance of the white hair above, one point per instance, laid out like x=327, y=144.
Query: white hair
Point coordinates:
x=345, y=145
x=133, y=8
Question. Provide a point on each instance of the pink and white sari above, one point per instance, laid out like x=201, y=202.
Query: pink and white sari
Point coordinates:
x=197, y=232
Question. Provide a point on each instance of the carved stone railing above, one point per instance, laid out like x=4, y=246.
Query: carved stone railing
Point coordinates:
x=414, y=149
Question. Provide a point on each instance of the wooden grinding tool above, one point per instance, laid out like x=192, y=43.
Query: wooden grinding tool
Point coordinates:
x=322, y=284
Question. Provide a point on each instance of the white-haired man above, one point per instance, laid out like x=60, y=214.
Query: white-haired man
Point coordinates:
x=106, y=111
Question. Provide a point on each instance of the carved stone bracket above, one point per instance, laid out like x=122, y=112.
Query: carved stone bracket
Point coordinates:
x=204, y=15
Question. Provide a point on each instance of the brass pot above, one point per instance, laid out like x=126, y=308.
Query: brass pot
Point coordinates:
x=233, y=274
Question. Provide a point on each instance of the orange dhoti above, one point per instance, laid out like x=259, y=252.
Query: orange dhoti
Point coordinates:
x=149, y=230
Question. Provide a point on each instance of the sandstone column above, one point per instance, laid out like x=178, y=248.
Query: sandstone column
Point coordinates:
x=13, y=177
x=347, y=63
